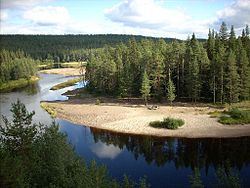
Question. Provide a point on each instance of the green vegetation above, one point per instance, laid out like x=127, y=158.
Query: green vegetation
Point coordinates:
x=168, y=123
x=66, y=84
x=235, y=116
x=63, y=48
x=51, y=110
x=39, y=156
x=17, y=70
x=16, y=84
x=71, y=64
x=216, y=71
x=215, y=114
x=97, y=102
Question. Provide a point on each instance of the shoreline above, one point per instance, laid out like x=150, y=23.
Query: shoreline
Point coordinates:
x=17, y=84
x=134, y=119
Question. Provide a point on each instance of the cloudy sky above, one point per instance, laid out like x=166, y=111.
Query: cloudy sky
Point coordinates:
x=159, y=18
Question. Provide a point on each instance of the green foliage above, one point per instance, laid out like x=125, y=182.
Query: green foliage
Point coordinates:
x=15, y=65
x=97, y=102
x=39, y=156
x=170, y=91
x=235, y=116
x=66, y=84
x=145, y=87
x=168, y=123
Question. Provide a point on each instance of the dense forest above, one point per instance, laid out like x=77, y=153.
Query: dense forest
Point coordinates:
x=15, y=65
x=217, y=70
x=63, y=48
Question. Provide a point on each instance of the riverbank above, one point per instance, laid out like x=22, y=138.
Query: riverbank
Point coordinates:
x=135, y=119
x=17, y=84
x=63, y=71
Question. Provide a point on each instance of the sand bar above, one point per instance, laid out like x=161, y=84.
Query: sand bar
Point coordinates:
x=134, y=119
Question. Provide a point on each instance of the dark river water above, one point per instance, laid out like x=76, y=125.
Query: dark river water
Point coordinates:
x=165, y=162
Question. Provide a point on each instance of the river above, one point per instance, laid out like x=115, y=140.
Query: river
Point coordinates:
x=165, y=162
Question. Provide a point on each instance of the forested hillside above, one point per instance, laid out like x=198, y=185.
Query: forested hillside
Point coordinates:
x=63, y=48
x=16, y=65
x=218, y=70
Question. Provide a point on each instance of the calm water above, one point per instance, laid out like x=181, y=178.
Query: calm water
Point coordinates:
x=168, y=162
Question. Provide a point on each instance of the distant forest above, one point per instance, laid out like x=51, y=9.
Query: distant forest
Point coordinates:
x=64, y=48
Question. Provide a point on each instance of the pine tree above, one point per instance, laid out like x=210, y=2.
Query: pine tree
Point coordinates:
x=223, y=34
x=170, y=90
x=145, y=87
x=244, y=73
x=19, y=134
x=210, y=44
x=232, y=79
x=232, y=39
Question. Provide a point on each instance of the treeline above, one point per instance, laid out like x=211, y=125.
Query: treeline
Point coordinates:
x=217, y=70
x=16, y=65
x=39, y=156
x=62, y=48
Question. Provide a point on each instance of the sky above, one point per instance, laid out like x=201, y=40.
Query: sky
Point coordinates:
x=157, y=18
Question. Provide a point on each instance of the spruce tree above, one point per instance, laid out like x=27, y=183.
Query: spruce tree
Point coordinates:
x=170, y=91
x=145, y=87
x=223, y=34
x=244, y=73
x=232, y=79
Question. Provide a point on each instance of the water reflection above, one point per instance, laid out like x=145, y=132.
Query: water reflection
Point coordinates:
x=106, y=151
x=184, y=153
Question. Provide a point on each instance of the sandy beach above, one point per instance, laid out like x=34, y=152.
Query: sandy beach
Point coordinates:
x=63, y=71
x=135, y=119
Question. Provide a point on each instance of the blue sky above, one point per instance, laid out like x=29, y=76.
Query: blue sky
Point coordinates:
x=159, y=18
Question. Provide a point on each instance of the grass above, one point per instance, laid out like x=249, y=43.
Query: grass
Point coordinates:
x=49, y=109
x=72, y=64
x=66, y=84
x=235, y=116
x=168, y=123
x=16, y=84
x=215, y=114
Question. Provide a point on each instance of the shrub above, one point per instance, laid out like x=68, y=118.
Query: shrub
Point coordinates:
x=97, y=102
x=168, y=123
x=235, y=116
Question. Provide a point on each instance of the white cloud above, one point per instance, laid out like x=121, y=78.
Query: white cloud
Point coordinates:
x=145, y=14
x=106, y=151
x=47, y=15
x=152, y=19
x=237, y=14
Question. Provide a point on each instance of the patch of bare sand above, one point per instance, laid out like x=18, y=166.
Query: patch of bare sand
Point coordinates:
x=136, y=119
x=63, y=71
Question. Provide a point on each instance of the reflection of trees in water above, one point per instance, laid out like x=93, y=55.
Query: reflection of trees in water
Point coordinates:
x=193, y=153
x=31, y=89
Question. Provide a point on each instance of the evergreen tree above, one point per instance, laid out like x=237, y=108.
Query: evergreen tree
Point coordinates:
x=145, y=87
x=244, y=73
x=232, y=79
x=232, y=39
x=223, y=34
x=170, y=91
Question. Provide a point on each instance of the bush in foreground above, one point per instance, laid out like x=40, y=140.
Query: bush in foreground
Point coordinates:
x=235, y=116
x=168, y=123
x=34, y=155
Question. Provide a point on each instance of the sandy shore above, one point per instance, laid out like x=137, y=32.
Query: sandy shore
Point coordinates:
x=135, y=119
x=63, y=71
